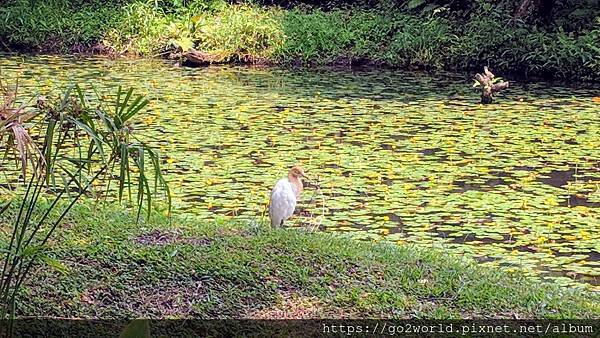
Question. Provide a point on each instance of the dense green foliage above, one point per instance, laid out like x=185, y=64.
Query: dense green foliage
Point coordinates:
x=71, y=142
x=56, y=24
x=108, y=266
x=421, y=34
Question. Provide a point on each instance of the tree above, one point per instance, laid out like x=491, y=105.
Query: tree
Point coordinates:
x=535, y=9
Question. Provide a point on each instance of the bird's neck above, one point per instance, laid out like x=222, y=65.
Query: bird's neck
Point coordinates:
x=297, y=183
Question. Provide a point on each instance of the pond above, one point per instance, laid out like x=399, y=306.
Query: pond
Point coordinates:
x=399, y=156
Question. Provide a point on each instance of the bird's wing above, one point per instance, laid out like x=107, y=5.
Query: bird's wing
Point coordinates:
x=282, y=203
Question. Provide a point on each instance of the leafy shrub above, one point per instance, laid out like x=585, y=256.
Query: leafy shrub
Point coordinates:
x=392, y=39
x=240, y=33
x=315, y=37
x=458, y=35
x=100, y=132
x=420, y=42
x=141, y=30
x=54, y=24
x=514, y=47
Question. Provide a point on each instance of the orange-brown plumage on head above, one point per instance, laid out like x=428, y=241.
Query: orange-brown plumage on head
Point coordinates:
x=296, y=171
x=295, y=176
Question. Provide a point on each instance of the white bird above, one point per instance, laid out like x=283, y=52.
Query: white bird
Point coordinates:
x=284, y=196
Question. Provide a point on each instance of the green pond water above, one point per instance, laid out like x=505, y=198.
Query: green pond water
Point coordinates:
x=403, y=157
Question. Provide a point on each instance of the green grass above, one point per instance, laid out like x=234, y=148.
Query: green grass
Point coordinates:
x=111, y=267
x=250, y=33
x=55, y=25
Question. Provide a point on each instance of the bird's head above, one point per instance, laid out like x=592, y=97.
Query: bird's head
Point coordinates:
x=297, y=172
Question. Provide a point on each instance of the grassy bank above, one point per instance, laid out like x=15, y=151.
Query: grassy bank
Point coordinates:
x=109, y=266
x=381, y=36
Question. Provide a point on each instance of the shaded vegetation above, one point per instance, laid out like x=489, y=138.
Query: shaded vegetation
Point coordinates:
x=416, y=34
x=111, y=267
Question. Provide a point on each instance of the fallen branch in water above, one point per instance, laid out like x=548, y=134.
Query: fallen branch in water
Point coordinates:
x=490, y=84
x=200, y=58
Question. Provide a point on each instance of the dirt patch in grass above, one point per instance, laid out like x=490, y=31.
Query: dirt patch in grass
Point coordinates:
x=173, y=298
x=496, y=315
x=99, y=296
x=159, y=238
x=292, y=305
x=165, y=299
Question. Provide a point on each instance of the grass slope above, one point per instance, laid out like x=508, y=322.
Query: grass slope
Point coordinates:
x=115, y=268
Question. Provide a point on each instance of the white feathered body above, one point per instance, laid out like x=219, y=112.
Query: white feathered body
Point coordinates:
x=283, y=202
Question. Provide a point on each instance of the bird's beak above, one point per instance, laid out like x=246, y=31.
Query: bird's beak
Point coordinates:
x=304, y=175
